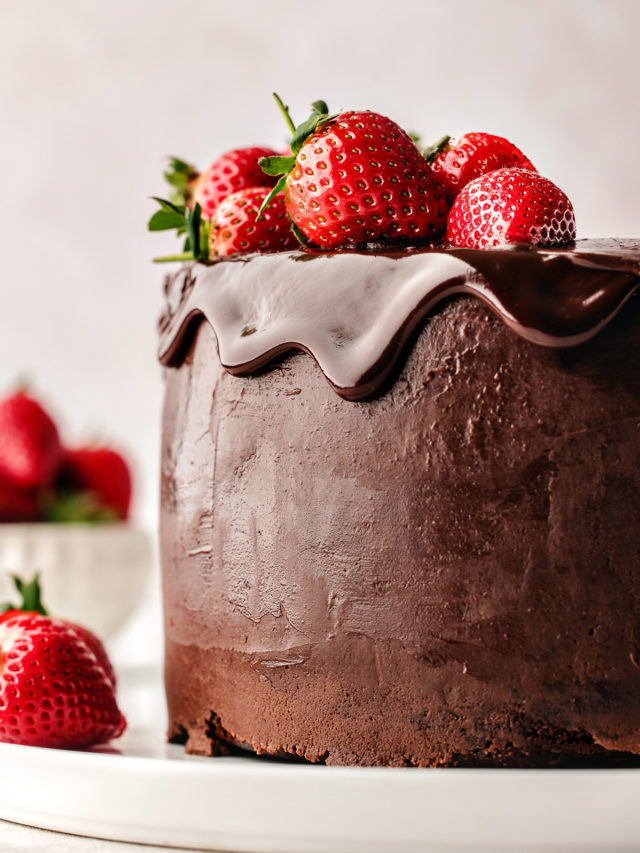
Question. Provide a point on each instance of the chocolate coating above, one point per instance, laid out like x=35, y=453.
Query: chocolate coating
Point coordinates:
x=445, y=573
x=354, y=312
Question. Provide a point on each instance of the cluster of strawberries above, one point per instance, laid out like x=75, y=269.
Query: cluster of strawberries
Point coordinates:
x=42, y=480
x=357, y=178
x=57, y=684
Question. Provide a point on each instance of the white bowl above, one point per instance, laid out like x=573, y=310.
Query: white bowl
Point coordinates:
x=92, y=574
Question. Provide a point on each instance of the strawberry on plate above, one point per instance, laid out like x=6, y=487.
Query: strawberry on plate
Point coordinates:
x=236, y=228
x=54, y=688
x=31, y=601
x=511, y=206
x=30, y=449
x=355, y=178
x=101, y=473
x=455, y=163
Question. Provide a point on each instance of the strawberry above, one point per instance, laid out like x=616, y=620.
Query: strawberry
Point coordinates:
x=101, y=472
x=53, y=690
x=355, y=178
x=57, y=685
x=31, y=602
x=229, y=173
x=511, y=206
x=15, y=504
x=472, y=155
x=30, y=449
x=235, y=227
x=95, y=645
x=195, y=198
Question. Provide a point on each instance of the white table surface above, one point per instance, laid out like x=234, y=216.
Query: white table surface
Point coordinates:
x=15, y=838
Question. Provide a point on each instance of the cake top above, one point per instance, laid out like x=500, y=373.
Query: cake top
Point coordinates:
x=342, y=244
x=355, y=311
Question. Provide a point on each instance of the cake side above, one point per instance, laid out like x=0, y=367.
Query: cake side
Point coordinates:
x=447, y=573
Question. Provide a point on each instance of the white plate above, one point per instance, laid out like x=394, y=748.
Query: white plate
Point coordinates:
x=151, y=792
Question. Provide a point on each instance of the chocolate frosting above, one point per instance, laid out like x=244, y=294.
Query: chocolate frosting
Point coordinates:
x=354, y=311
x=446, y=573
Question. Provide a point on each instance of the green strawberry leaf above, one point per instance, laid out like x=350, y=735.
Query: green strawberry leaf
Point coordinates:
x=438, y=147
x=165, y=221
x=169, y=216
x=184, y=221
x=74, y=507
x=30, y=594
x=169, y=206
x=179, y=172
x=279, y=187
x=179, y=176
x=192, y=218
x=276, y=165
x=319, y=115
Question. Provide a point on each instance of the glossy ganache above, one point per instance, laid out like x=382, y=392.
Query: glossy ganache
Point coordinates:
x=354, y=314
x=438, y=564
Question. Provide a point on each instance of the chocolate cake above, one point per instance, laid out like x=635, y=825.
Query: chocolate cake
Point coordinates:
x=400, y=516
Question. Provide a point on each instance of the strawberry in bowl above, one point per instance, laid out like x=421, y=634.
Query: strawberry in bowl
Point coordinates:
x=65, y=512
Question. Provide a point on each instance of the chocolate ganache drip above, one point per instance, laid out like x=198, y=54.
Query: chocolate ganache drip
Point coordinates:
x=354, y=312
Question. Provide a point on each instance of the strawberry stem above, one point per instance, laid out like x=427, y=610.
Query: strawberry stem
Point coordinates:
x=285, y=112
x=182, y=256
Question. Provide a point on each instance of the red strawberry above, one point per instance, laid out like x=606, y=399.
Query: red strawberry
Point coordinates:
x=235, y=227
x=472, y=155
x=30, y=449
x=31, y=602
x=16, y=505
x=511, y=206
x=53, y=690
x=230, y=172
x=95, y=645
x=102, y=472
x=356, y=178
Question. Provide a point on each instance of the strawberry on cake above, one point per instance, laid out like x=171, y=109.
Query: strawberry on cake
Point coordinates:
x=400, y=467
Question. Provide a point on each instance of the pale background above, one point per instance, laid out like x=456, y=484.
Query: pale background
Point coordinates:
x=93, y=95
